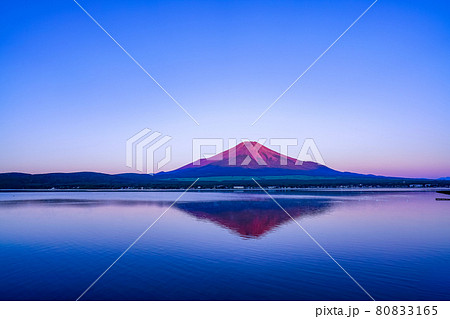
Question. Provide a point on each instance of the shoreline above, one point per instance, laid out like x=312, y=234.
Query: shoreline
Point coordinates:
x=310, y=189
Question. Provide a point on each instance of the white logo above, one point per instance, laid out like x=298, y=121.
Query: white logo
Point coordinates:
x=308, y=152
x=142, y=146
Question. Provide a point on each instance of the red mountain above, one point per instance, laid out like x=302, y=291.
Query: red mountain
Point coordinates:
x=252, y=155
x=249, y=159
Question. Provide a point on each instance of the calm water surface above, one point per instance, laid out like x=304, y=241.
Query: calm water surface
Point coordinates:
x=224, y=246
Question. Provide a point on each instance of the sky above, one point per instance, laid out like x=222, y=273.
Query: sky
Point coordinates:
x=377, y=102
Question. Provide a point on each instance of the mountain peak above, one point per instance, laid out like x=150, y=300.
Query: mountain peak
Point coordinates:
x=252, y=155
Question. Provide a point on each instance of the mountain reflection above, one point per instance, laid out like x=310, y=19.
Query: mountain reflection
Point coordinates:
x=252, y=219
x=248, y=218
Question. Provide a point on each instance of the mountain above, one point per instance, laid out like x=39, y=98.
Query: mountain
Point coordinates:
x=251, y=159
x=234, y=167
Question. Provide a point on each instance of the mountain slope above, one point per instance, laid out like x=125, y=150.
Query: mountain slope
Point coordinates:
x=251, y=159
x=236, y=166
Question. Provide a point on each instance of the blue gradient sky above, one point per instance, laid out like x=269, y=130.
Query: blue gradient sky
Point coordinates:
x=377, y=102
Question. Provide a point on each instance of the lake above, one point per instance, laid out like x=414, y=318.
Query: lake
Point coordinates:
x=225, y=246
